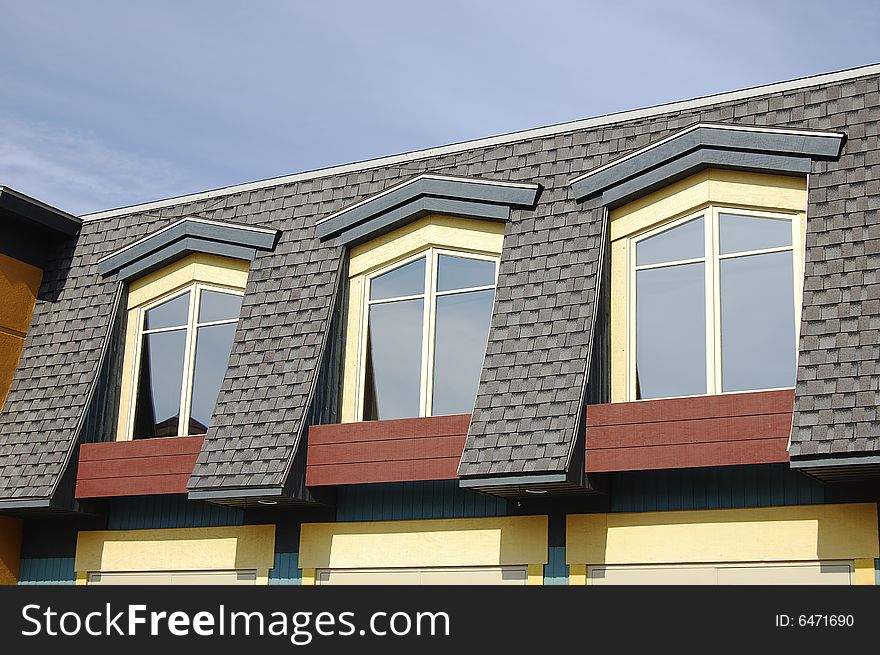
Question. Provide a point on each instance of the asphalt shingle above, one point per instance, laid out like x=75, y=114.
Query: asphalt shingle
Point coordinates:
x=537, y=357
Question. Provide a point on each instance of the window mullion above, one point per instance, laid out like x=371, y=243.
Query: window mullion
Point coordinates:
x=631, y=321
x=428, y=333
x=363, y=337
x=713, y=304
x=798, y=259
x=188, y=363
x=136, y=373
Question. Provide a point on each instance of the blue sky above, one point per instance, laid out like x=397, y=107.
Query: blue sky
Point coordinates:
x=104, y=104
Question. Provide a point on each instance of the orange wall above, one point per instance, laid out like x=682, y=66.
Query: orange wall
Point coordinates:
x=19, y=284
x=10, y=549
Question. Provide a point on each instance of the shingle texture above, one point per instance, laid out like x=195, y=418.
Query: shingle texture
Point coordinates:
x=838, y=388
x=529, y=392
x=537, y=357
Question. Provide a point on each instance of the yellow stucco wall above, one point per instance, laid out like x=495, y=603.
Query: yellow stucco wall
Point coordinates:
x=10, y=549
x=496, y=541
x=177, y=549
x=763, y=534
x=19, y=285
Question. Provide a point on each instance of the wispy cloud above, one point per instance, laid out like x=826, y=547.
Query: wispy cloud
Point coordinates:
x=99, y=113
x=76, y=171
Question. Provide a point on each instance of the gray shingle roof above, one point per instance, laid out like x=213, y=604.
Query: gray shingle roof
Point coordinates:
x=533, y=381
x=526, y=408
x=838, y=388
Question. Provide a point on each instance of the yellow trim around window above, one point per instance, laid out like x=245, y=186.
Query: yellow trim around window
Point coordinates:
x=763, y=534
x=494, y=541
x=247, y=547
x=198, y=268
x=465, y=235
x=713, y=188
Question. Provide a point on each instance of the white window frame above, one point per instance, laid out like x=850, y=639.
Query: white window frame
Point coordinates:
x=712, y=285
x=429, y=316
x=191, y=328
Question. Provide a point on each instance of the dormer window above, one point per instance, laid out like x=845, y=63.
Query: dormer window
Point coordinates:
x=185, y=343
x=713, y=305
x=420, y=304
x=706, y=285
x=427, y=322
x=180, y=328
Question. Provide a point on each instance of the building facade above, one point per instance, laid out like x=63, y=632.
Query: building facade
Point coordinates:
x=641, y=348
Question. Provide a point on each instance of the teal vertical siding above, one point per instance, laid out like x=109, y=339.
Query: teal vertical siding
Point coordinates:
x=398, y=501
x=556, y=570
x=147, y=512
x=286, y=570
x=46, y=570
x=713, y=488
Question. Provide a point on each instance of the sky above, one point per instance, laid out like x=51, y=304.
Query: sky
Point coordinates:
x=106, y=104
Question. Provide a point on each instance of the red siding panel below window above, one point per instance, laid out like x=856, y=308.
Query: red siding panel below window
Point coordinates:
x=744, y=428
x=136, y=468
x=399, y=450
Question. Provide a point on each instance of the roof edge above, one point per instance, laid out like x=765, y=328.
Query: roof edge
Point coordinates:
x=25, y=502
x=550, y=130
x=234, y=493
x=38, y=213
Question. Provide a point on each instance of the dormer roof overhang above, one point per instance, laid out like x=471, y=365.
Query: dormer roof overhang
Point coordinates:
x=187, y=236
x=422, y=195
x=701, y=146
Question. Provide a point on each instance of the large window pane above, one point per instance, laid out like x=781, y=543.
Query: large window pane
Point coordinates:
x=462, y=330
x=687, y=241
x=463, y=273
x=157, y=410
x=394, y=360
x=218, y=306
x=743, y=233
x=671, y=331
x=173, y=313
x=757, y=322
x=213, y=345
x=408, y=280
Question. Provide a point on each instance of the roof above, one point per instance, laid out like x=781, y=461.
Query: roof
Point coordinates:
x=38, y=213
x=37, y=227
x=532, y=388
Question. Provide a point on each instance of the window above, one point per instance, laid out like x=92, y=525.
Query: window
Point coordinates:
x=714, y=304
x=184, y=350
x=420, y=304
x=706, y=279
x=427, y=323
x=179, y=334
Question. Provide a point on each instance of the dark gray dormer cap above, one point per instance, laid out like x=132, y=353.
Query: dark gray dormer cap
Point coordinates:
x=701, y=146
x=425, y=194
x=187, y=236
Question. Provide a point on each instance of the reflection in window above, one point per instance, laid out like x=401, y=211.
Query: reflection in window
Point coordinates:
x=461, y=333
x=183, y=359
x=394, y=359
x=448, y=298
x=671, y=331
x=748, y=281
